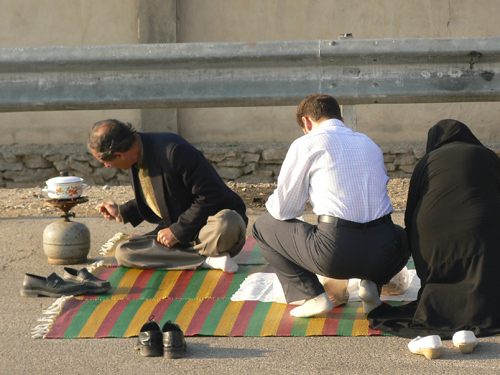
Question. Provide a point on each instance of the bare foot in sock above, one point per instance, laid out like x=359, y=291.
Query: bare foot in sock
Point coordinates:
x=224, y=263
x=312, y=307
x=369, y=295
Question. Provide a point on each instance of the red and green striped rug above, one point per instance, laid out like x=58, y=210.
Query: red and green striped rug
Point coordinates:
x=199, y=301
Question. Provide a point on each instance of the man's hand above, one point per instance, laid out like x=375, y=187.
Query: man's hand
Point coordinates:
x=110, y=211
x=166, y=237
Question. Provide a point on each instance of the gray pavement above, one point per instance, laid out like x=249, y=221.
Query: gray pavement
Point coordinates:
x=21, y=252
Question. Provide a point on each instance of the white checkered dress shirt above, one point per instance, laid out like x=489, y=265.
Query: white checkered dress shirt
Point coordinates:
x=340, y=172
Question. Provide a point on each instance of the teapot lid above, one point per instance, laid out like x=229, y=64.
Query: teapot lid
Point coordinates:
x=64, y=180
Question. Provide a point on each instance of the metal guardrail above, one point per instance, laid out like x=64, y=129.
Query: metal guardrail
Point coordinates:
x=355, y=71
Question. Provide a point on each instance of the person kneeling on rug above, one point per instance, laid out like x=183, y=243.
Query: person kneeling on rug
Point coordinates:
x=201, y=221
x=343, y=176
x=452, y=218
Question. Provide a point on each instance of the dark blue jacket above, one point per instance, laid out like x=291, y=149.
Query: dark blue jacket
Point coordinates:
x=187, y=188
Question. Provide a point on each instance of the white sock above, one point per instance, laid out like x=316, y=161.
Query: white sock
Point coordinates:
x=224, y=263
x=368, y=293
x=312, y=307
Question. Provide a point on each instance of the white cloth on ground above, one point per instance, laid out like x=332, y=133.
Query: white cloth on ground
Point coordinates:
x=259, y=287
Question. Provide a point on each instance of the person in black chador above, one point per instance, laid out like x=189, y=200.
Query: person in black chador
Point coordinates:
x=452, y=221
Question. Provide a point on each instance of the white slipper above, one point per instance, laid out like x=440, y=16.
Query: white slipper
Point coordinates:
x=429, y=346
x=465, y=341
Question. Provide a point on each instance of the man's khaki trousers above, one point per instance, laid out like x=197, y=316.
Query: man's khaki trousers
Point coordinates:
x=223, y=234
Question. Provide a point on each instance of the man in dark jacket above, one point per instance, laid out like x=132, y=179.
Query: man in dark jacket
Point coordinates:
x=201, y=222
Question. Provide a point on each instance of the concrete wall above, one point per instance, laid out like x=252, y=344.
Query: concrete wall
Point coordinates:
x=258, y=20
x=63, y=22
x=76, y=22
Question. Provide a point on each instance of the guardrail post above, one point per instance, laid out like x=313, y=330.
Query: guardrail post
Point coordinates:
x=349, y=112
x=157, y=23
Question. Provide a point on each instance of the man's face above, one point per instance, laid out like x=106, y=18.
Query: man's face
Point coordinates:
x=120, y=162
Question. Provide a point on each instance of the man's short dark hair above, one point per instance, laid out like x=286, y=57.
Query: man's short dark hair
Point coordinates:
x=318, y=106
x=110, y=136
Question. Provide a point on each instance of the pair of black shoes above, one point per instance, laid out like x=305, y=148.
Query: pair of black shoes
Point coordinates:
x=155, y=342
x=73, y=283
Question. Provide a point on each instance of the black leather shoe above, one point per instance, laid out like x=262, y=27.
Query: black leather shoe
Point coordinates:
x=174, y=344
x=94, y=284
x=150, y=343
x=52, y=286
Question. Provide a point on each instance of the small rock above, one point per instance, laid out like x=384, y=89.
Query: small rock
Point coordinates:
x=258, y=200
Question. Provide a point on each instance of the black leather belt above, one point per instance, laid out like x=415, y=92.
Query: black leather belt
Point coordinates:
x=351, y=224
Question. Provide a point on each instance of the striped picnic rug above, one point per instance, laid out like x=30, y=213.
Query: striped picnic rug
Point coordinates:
x=199, y=301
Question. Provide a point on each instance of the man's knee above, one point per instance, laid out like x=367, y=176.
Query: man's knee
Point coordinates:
x=224, y=232
x=234, y=229
x=261, y=224
x=226, y=223
x=126, y=253
x=231, y=218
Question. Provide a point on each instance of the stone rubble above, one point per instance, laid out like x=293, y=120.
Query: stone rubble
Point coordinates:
x=251, y=170
x=32, y=165
x=29, y=202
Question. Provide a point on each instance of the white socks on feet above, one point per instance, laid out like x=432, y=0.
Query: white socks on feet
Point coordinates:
x=312, y=307
x=224, y=263
x=369, y=295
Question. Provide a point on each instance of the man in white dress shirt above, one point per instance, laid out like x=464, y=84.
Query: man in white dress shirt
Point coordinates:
x=343, y=176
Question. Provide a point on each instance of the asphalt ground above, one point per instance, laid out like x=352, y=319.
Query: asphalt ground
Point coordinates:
x=21, y=251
